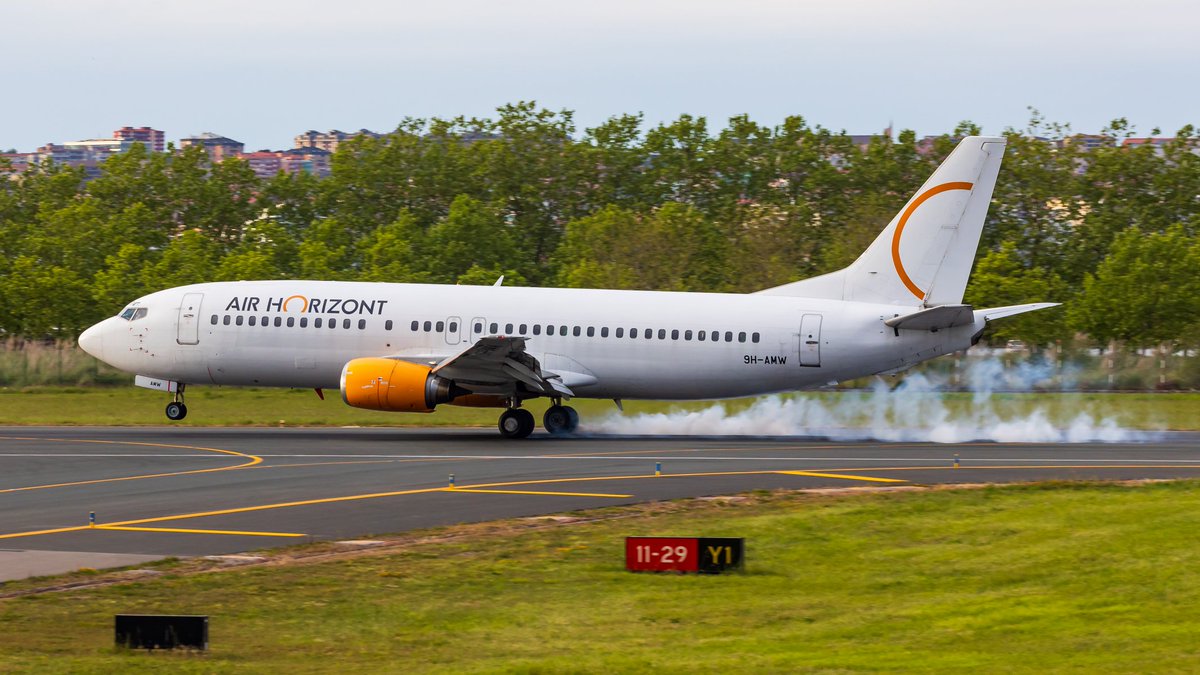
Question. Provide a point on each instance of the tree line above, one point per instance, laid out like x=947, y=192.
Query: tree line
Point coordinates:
x=1110, y=231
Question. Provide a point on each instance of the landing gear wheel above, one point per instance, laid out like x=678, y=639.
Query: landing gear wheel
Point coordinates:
x=560, y=419
x=516, y=423
x=176, y=411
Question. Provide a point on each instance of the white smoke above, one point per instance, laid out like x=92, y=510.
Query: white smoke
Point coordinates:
x=916, y=410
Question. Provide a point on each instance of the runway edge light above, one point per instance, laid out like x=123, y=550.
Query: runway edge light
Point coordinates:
x=704, y=555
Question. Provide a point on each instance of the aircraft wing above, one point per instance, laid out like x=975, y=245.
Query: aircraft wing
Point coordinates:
x=495, y=364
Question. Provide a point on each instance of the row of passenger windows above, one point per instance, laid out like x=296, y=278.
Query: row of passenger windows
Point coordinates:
x=509, y=329
x=590, y=331
x=291, y=322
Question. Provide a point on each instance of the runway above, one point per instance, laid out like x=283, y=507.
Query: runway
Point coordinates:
x=159, y=492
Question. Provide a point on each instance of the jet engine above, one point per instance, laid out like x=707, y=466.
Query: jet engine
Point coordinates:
x=394, y=385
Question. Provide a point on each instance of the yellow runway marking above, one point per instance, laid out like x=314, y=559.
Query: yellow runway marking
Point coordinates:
x=530, y=492
x=843, y=476
x=254, y=459
x=546, y=481
x=188, y=531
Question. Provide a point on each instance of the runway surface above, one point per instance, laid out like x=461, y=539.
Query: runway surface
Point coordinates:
x=196, y=491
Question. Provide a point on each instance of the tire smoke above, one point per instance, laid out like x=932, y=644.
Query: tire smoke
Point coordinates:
x=919, y=409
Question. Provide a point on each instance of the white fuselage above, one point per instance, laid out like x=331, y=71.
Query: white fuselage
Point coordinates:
x=202, y=334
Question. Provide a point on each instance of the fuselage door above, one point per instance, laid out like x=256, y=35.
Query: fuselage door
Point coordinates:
x=810, y=340
x=453, y=328
x=478, y=328
x=189, y=319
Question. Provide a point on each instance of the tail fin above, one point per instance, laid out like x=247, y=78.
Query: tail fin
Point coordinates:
x=924, y=256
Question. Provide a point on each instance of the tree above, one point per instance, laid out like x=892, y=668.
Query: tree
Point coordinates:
x=1145, y=292
x=1000, y=279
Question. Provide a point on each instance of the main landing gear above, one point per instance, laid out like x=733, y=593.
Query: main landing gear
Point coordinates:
x=176, y=410
x=558, y=420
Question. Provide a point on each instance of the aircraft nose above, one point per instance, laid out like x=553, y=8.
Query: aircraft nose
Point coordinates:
x=92, y=341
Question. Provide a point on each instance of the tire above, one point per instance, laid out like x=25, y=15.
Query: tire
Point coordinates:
x=176, y=411
x=560, y=419
x=516, y=423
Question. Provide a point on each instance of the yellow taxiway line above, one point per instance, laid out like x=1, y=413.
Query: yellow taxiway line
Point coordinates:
x=816, y=474
x=190, y=531
x=531, y=492
x=253, y=459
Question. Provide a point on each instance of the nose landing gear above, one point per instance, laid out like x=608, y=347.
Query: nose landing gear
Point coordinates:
x=176, y=410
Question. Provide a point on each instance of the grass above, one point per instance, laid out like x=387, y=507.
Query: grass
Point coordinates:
x=1081, y=577
x=226, y=406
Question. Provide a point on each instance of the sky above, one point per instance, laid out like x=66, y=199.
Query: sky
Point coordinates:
x=262, y=71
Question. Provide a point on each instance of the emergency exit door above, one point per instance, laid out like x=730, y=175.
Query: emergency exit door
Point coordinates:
x=189, y=319
x=810, y=340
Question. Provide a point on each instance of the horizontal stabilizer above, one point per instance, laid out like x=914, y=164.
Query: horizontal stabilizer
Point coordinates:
x=1011, y=310
x=935, y=318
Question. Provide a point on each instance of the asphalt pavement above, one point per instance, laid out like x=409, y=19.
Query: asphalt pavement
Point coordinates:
x=184, y=491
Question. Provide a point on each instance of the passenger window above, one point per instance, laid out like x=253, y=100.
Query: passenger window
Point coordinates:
x=591, y=332
x=416, y=325
x=225, y=320
x=562, y=330
x=317, y=322
x=387, y=325
x=278, y=321
x=687, y=335
x=346, y=324
x=675, y=334
x=428, y=326
x=253, y=320
x=333, y=323
x=362, y=324
x=304, y=322
x=604, y=331
x=478, y=327
x=524, y=329
x=441, y=326
x=266, y=321
x=549, y=329
x=239, y=319
x=291, y=322
x=742, y=337
x=214, y=320
x=575, y=331
x=700, y=336
x=495, y=328
x=754, y=338
x=729, y=336
x=537, y=329
x=508, y=328
x=632, y=332
x=620, y=332
x=453, y=326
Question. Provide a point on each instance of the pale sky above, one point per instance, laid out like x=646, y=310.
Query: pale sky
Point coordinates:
x=261, y=71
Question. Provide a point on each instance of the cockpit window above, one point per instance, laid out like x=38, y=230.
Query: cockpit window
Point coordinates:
x=139, y=313
x=128, y=314
x=133, y=313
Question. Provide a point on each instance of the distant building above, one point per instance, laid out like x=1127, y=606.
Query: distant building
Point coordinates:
x=264, y=163
x=307, y=160
x=330, y=140
x=153, y=138
x=1087, y=142
x=17, y=161
x=219, y=148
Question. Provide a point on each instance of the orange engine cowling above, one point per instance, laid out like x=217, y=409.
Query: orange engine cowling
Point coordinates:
x=398, y=386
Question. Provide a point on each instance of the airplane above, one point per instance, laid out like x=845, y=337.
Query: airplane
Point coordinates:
x=412, y=347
